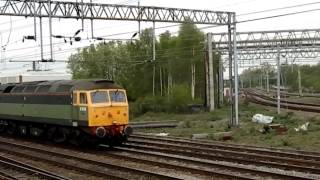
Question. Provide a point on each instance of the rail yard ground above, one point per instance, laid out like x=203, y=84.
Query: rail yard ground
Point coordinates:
x=215, y=124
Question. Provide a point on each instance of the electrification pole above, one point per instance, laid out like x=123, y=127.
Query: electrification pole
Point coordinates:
x=154, y=57
x=41, y=39
x=236, y=83
x=35, y=21
x=210, y=71
x=231, y=122
x=139, y=24
x=221, y=82
x=268, y=86
x=299, y=81
x=278, y=82
x=50, y=30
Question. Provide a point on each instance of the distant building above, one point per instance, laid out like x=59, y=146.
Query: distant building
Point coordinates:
x=34, y=76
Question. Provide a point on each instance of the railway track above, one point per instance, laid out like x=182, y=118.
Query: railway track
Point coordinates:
x=314, y=95
x=259, y=98
x=163, y=170
x=12, y=170
x=240, y=155
x=154, y=124
x=71, y=161
x=146, y=157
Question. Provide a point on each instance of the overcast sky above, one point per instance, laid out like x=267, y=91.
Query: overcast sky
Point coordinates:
x=13, y=29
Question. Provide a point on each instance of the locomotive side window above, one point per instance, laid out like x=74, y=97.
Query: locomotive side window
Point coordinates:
x=83, y=98
x=30, y=89
x=64, y=88
x=8, y=89
x=43, y=89
x=18, y=89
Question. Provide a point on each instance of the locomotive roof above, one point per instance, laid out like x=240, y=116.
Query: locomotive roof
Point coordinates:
x=64, y=85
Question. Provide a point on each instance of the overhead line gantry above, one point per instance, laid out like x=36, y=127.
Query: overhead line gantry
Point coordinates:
x=98, y=11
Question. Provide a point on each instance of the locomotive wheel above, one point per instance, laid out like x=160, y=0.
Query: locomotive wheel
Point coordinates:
x=74, y=137
x=60, y=136
x=2, y=126
x=12, y=128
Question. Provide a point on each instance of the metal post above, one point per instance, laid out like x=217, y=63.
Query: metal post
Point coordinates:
x=221, y=84
x=299, y=81
x=50, y=31
x=1, y=59
x=139, y=25
x=236, y=83
x=161, y=88
x=153, y=79
x=41, y=39
x=35, y=20
x=268, y=86
x=92, y=36
x=278, y=81
x=206, y=70
x=230, y=73
x=154, y=42
x=210, y=69
x=261, y=80
x=34, y=66
x=82, y=20
x=154, y=56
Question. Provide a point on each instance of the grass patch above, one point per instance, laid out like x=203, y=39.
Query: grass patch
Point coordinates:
x=248, y=132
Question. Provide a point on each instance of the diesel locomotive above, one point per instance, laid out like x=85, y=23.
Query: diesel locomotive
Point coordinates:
x=76, y=111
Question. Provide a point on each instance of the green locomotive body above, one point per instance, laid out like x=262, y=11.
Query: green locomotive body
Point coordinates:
x=65, y=110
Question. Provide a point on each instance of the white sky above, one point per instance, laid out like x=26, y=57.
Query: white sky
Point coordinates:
x=30, y=50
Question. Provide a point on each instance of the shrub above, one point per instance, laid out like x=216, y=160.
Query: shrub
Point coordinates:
x=179, y=99
x=176, y=102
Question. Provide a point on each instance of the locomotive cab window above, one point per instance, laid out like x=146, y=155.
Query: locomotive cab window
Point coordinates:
x=99, y=97
x=118, y=96
x=83, y=98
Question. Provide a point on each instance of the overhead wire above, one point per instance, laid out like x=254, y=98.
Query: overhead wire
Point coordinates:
x=85, y=46
x=249, y=20
x=244, y=21
x=281, y=8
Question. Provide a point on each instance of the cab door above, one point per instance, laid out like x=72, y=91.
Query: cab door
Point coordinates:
x=83, y=106
x=80, y=107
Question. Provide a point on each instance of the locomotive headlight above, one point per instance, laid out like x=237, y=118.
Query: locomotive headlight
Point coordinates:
x=101, y=132
x=114, y=122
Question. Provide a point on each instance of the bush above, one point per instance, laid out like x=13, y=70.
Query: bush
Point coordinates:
x=179, y=99
x=176, y=102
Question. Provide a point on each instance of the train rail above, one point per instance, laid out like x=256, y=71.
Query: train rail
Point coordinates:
x=154, y=124
x=182, y=170
x=314, y=95
x=164, y=161
x=169, y=158
x=262, y=99
x=23, y=170
x=232, y=146
x=258, y=157
x=78, y=163
x=262, y=95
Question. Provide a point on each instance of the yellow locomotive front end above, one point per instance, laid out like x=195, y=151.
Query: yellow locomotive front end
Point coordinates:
x=107, y=113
